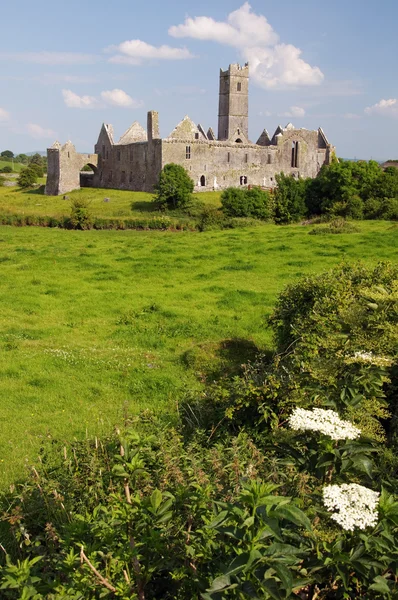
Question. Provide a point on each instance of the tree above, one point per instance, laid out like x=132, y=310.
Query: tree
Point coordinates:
x=27, y=178
x=6, y=169
x=175, y=187
x=22, y=158
x=289, y=199
x=36, y=159
x=38, y=169
x=7, y=154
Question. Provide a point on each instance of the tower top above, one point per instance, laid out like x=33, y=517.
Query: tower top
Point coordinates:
x=236, y=69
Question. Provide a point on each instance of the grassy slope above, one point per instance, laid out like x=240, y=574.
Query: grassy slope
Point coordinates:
x=121, y=203
x=93, y=323
x=16, y=168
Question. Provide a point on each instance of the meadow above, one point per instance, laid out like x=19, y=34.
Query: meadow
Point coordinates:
x=96, y=324
x=16, y=167
x=118, y=203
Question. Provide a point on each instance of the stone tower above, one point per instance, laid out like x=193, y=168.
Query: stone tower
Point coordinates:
x=233, y=112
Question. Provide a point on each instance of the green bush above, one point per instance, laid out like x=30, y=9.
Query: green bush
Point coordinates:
x=175, y=187
x=80, y=216
x=27, y=178
x=243, y=202
x=6, y=169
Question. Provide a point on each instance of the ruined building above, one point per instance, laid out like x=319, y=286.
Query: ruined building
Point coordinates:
x=230, y=159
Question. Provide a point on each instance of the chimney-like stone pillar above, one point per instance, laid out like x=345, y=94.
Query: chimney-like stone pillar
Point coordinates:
x=153, y=125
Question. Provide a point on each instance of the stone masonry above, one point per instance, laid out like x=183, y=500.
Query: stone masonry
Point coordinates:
x=136, y=160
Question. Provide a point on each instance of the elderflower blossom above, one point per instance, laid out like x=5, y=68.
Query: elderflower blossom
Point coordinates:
x=369, y=358
x=355, y=504
x=327, y=422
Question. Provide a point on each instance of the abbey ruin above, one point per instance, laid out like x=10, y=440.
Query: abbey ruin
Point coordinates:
x=213, y=162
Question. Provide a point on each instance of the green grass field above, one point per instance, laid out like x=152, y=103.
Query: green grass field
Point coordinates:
x=121, y=204
x=97, y=323
x=17, y=167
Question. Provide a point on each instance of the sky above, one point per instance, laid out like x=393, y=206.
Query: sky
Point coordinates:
x=67, y=67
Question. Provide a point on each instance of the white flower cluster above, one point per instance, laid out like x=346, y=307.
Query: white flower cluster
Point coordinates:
x=356, y=505
x=327, y=422
x=369, y=358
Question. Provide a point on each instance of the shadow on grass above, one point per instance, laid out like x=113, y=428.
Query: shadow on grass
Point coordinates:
x=39, y=190
x=213, y=361
x=145, y=206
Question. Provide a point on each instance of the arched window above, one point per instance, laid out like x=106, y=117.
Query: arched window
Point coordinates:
x=243, y=180
x=203, y=181
x=239, y=141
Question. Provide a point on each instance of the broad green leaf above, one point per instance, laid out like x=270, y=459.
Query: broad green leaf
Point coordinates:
x=219, y=519
x=380, y=585
x=285, y=576
x=294, y=514
x=156, y=499
x=220, y=583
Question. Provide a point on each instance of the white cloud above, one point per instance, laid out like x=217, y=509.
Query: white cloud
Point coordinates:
x=120, y=98
x=50, y=58
x=386, y=108
x=72, y=100
x=134, y=52
x=114, y=97
x=294, y=111
x=4, y=115
x=39, y=132
x=273, y=65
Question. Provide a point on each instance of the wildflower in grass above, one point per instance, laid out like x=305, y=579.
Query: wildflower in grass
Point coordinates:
x=355, y=505
x=368, y=358
x=327, y=422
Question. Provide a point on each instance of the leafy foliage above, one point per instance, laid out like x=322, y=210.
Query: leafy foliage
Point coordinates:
x=175, y=187
x=289, y=199
x=80, y=216
x=27, y=178
x=242, y=202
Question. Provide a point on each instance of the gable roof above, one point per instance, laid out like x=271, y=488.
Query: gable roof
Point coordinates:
x=135, y=133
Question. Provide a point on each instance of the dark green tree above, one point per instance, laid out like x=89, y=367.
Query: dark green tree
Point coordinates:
x=175, y=187
x=27, y=178
x=289, y=199
x=7, y=154
x=38, y=169
x=22, y=158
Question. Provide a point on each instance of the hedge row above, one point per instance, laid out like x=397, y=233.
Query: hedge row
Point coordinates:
x=64, y=222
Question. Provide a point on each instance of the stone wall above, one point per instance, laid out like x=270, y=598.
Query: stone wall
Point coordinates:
x=223, y=164
x=64, y=165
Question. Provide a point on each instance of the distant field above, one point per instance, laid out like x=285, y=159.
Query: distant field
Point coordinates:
x=16, y=166
x=100, y=322
x=121, y=204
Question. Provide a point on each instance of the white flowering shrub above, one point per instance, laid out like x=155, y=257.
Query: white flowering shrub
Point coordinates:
x=323, y=421
x=352, y=505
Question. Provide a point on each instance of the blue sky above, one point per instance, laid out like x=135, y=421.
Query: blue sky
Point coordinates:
x=66, y=67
